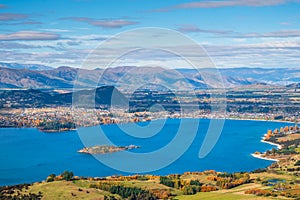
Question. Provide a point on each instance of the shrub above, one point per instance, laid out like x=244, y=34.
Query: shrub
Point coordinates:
x=51, y=178
x=195, y=182
x=190, y=190
x=66, y=175
x=297, y=163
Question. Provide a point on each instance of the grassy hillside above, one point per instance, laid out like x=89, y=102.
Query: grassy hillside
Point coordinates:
x=91, y=188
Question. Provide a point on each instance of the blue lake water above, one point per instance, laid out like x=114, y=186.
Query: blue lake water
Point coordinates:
x=28, y=155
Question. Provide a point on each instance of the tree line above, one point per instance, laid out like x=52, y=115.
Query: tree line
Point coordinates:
x=132, y=193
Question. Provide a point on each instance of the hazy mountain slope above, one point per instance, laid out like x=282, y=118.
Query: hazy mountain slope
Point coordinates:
x=142, y=77
x=37, y=98
x=90, y=77
x=25, y=78
x=125, y=77
x=25, y=66
x=276, y=76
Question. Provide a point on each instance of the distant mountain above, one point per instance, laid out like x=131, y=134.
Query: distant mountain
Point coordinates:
x=143, y=77
x=38, y=98
x=25, y=78
x=105, y=95
x=294, y=86
x=7, y=85
x=127, y=77
x=274, y=76
x=36, y=67
x=69, y=74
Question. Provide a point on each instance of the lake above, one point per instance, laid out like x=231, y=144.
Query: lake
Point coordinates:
x=28, y=155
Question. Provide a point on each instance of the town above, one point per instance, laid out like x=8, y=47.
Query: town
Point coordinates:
x=258, y=104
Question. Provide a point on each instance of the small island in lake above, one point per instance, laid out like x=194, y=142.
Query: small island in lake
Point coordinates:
x=106, y=149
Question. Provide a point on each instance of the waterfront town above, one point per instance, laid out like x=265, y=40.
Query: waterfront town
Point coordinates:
x=54, y=112
x=40, y=117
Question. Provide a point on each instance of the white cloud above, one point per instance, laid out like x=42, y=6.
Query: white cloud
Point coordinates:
x=189, y=28
x=56, y=30
x=104, y=23
x=29, y=35
x=224, y=3
x=12, y=16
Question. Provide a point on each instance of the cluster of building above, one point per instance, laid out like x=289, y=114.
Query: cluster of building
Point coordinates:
x=33, y=117
x=15, y=102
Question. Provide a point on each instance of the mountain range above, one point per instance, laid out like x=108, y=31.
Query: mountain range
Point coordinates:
x=25, y=66
x=39, y=76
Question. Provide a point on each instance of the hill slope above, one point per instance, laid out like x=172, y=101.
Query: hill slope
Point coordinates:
x=132, y=77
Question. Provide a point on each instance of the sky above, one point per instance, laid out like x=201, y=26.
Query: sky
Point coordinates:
x=234, y=33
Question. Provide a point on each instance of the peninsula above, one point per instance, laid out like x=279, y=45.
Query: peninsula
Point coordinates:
x=287, y=153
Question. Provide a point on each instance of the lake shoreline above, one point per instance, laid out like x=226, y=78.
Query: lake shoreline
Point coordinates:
x=260, y=156
x=74, y=129
x=279, y=145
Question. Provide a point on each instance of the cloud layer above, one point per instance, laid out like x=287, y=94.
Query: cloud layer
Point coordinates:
x=29, y=35
x=224, y=3
x=189, y=28
x=12, y=16
x=104, y=23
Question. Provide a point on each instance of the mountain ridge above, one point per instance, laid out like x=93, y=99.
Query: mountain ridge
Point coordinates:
x=37, y=67
x=131, y=76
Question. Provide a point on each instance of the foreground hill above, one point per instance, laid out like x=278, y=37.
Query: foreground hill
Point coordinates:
x=190, y=186
x=131, y=76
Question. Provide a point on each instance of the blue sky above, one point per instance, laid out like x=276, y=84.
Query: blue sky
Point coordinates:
x=235, y=33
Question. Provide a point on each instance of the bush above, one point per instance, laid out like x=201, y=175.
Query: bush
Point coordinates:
x=297, y=163
x=195, y=182
x=259, y=192
x=66, y=175
x=51, y=178
x=126, y=192
x=190, y=190
x=142, y=178
x=165, y=180
x=208, y=188
x=260, y=170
